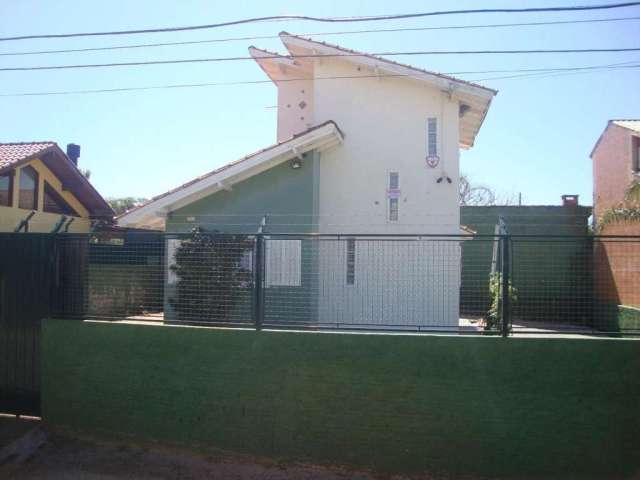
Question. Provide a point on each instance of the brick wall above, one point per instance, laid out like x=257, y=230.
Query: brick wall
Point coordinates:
x=466, y=407
x=611, y=163
x=617, y=265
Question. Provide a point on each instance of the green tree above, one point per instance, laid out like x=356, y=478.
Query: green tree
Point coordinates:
x=121, y=205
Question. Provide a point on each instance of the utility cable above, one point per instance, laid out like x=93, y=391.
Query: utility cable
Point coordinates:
x=404, y=16
x=313, y=34
x=333, y=55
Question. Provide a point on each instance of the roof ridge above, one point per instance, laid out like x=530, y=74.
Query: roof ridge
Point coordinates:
x=383, y=59
x=268, y=51
x=29, y=143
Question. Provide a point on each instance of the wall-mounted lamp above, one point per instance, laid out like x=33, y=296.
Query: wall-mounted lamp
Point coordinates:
x=463, y=109
x=296, y=163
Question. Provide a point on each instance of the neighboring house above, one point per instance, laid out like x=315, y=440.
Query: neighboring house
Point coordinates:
x=365, y=146
x=42, y=190
x=616, y=163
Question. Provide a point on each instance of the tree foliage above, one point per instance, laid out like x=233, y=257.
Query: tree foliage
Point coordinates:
x=477, y=195
x=121, y=205
x=211, y=276
x=626, y=211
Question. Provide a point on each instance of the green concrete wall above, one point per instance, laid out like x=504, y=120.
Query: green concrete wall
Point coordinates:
x=483, y=406
x=287, y=196
x=553, y=277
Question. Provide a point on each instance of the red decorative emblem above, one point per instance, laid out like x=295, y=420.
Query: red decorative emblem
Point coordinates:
x=433, y=161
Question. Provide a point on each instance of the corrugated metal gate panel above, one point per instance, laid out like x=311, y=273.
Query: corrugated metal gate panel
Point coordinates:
x=26, y=286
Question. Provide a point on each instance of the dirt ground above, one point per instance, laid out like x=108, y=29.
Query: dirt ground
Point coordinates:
x=65, y=457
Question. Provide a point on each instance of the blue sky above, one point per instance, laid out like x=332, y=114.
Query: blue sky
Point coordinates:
x=535, y=140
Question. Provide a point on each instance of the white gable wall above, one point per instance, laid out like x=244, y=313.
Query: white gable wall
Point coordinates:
x=384, y=121
x=295, y=108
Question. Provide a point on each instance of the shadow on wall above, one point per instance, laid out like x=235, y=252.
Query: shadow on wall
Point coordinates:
x=617, y=276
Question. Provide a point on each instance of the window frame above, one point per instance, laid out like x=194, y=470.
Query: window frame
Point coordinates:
x=283, y=262
x=432, y=130
x=351, y=259
x=36, y=192
x=394, y=210
x=11, y=176
x=635, y=154
x=57, y=198
x=393, y=204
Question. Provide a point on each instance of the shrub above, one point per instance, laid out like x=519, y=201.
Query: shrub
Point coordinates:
x=495, y=293
x=212, y=276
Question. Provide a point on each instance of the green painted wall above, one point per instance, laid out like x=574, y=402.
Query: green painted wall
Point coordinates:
x=484, y=406
x=553, y=277
x=287, y=196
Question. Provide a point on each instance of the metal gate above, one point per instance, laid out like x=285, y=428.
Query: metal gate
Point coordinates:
x=26, y=286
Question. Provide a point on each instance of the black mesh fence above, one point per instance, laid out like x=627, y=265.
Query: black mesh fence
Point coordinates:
x=472, y=284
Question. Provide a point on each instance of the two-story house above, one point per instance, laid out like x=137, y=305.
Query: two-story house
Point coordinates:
x=365, y=146
x=616, y=164
x=43, y=190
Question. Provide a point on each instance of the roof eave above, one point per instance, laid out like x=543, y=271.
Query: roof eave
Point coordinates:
x=365, y=58
x=321, y=137
x=104, y=211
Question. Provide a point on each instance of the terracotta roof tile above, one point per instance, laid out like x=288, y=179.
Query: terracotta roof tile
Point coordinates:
x=13, y=153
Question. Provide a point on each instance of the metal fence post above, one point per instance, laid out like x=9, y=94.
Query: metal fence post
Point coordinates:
x=258, y=271
x=505, y=281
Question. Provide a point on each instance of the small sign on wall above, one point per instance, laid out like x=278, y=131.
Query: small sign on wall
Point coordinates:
x=433, y=160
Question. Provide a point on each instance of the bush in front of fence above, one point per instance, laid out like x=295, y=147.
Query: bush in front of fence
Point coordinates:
x=211, y=276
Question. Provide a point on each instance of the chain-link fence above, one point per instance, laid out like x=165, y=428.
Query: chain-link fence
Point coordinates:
x=445, y=283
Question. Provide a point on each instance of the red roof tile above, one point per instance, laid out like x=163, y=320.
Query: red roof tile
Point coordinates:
x=13, y=153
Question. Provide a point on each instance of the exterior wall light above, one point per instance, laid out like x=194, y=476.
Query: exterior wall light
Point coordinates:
x=296, y=163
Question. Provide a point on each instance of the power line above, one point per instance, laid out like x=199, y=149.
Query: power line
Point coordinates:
x=266, y=57
x=316, y=34
x=354, y=19
x=537, y=71
x=563, y=72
